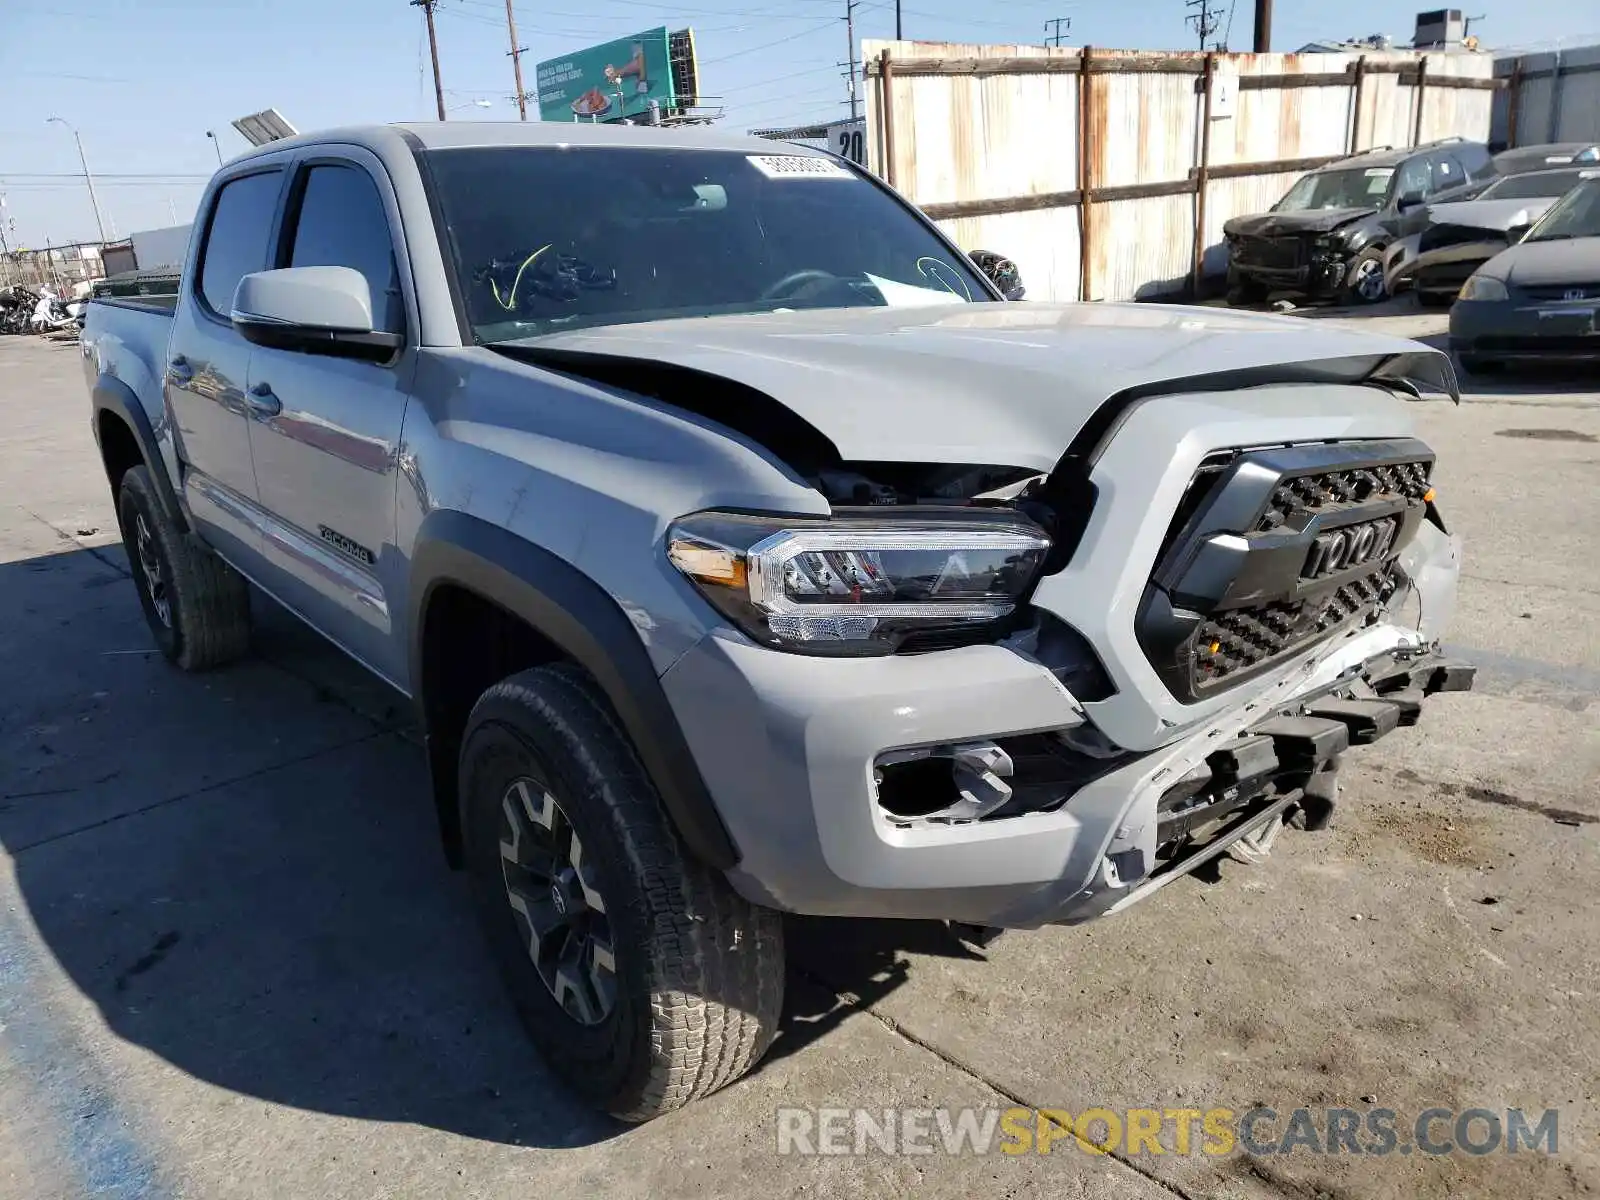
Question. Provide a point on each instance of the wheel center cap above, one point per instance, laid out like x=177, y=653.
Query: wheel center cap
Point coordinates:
x=565, y=897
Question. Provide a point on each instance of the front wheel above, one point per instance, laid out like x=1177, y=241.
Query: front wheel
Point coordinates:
x=1365, y=283
x=645, y=981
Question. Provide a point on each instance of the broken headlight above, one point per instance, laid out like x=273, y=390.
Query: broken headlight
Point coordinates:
x=858, y=584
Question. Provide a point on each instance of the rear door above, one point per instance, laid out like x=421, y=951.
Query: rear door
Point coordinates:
x=208, y=362
x=325, y=431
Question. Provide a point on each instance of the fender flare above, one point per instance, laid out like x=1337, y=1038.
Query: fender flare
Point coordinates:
x=583, y=621
x=112, y=395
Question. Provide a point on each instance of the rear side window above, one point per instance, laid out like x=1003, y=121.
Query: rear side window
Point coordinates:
x=236, y=243
x=1447, y=172
x=1475, y=159
x=342, y=223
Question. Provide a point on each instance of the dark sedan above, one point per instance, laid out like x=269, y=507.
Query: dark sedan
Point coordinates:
x=1539, y=299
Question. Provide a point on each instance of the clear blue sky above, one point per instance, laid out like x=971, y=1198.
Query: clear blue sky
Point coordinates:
x=142, y=80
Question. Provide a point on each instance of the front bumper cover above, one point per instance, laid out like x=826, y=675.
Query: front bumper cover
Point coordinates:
x=788, y=746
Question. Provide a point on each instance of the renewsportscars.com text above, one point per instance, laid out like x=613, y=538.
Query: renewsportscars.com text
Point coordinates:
x=1259, y=1131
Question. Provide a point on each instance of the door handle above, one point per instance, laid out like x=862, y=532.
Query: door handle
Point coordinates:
x=179, y=370
x=262, y=402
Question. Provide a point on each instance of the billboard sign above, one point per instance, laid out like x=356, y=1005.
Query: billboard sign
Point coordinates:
x=609, y=82
x=848, y=139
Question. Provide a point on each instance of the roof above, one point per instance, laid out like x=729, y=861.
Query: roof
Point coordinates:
x=1548, y=154
x=1386, y=156
x=452, y=135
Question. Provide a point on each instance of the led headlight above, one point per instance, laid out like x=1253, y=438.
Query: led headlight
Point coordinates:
x=1482, y=287
x=857, y=584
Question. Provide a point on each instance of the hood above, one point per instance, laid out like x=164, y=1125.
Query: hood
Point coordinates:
x=1311, y=220
x=1003, y=384
x=1547, y=264
x=1497, y=215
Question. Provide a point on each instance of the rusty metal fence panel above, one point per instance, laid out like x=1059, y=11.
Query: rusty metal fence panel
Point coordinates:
x=1003, y=142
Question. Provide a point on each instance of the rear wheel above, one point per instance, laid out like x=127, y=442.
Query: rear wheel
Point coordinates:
x=642, y=977
x=197, y=606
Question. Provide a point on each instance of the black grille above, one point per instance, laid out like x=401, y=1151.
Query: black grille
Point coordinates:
x=1580, y=344
x=1242, y=638
x=1313, y=492
x=1268, y=252
x=1558, y=291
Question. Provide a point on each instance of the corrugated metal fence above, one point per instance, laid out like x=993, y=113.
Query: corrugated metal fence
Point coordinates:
x=1107, y=175
x=1549, y=97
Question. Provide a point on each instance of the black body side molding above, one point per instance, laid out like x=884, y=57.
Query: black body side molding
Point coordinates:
x=112, y=395
x=581, y=620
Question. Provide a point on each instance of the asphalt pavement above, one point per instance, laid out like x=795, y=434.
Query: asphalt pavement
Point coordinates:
x=234, y=964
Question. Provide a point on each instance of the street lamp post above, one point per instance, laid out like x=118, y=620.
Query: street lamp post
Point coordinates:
x=94, y=200
x=215, y=145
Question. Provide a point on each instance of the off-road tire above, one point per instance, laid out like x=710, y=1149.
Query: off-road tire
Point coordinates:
x=207, y=601
x=698, y=969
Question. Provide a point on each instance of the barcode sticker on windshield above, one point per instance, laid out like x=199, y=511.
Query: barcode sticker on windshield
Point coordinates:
x=797, y=166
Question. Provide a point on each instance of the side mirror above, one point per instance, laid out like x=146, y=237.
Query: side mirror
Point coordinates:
x=1001, y=272
x=316, y=310
x=1409, y=200
x=1517, y=232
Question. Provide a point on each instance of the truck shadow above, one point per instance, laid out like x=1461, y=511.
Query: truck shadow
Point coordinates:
x=241, y=871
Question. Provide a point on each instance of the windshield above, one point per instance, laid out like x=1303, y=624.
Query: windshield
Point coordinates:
x=552, y=238
x=1533, y=186
x=1575, y=215
x=1352, y=188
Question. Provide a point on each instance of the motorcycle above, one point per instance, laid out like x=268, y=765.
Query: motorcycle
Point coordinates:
x=51, y=315
x=16, y=308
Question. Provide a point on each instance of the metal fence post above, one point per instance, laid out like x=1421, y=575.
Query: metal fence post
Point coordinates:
x=1203, y=173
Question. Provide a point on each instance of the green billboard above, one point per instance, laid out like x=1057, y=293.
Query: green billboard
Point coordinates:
x=607, y=82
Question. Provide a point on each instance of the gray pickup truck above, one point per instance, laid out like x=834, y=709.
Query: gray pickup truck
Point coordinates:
x=743, y=552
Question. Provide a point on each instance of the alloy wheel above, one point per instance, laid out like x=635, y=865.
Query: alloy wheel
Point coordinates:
x=556, y=902
x=1369, y=283
x=155, y=579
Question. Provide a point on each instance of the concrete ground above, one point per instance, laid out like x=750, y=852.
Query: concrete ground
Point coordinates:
x=232, y=962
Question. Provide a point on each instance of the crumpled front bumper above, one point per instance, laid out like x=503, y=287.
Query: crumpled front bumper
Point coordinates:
x=788, y=746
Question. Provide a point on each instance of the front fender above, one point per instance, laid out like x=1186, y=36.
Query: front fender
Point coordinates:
x=588, y=626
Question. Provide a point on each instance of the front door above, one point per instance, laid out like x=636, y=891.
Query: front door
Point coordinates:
x=208, y=365
x=325, y=431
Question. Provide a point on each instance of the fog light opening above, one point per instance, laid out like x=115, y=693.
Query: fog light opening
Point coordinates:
x=919, y=787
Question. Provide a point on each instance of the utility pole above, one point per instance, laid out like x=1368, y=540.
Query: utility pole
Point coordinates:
x=1054, y=36
x=94, y=201
x=427, y=7
x=850, y=33
x=1263, y=41
x=1204, y=18
x=516, y=62
x=898, y=36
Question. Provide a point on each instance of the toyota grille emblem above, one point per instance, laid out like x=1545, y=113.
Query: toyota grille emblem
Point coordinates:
x=1352, y=546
